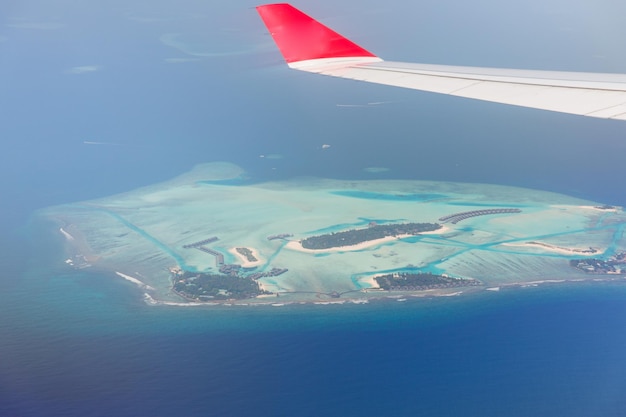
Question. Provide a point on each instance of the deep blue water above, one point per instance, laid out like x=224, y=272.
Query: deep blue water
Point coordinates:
x=82, y=343
x=85, y=344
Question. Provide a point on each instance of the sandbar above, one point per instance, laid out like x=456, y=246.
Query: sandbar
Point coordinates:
x=556, y=249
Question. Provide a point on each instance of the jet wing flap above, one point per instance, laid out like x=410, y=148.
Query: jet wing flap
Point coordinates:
x=589, y=98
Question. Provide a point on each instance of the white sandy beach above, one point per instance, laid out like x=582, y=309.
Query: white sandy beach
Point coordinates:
x=244, y=261
x=371, y=281
x=556, y=249
x=586, y=207
x=297, y=244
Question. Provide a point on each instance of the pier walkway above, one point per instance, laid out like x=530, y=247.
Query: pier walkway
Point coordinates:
x=457, y=217
x=201, y=242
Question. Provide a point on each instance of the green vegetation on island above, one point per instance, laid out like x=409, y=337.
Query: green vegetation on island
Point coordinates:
x=373, y=232
x=421, y=281
x=247, y=253
x=615, y=264
x=207, y=286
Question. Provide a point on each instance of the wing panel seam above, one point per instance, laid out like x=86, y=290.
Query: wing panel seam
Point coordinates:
x=395, y=71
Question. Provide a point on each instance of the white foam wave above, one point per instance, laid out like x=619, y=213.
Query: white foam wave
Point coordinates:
x=67, y=235
x=135, y=281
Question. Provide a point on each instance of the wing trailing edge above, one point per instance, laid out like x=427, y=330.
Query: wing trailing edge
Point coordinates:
x=308, y=45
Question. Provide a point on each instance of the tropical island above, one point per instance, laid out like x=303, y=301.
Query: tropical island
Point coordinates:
x=196, y=286
x=194, y=240
x=406, y=281
x=373, y=232
x=615, y=264
x=247, y=253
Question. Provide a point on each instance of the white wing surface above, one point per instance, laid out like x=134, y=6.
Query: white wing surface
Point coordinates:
x=307, y=45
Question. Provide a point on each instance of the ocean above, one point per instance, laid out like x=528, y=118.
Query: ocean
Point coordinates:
x=83, y=343
x=96, y=104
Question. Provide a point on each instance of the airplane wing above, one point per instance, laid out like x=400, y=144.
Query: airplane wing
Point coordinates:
x=307, y=45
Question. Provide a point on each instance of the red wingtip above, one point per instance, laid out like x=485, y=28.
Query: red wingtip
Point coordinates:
x=300, y=37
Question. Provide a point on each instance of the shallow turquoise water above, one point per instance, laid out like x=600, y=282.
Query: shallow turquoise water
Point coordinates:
x=83, y=343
